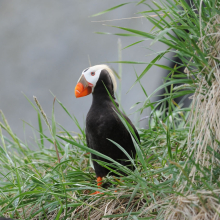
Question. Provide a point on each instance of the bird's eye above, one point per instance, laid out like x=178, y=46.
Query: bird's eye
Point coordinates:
x=92, y=73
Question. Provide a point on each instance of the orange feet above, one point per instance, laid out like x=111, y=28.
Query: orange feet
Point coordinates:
x=95, y=193
x=99, y=183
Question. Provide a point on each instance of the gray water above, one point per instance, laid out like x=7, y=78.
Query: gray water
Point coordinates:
x=45, y=45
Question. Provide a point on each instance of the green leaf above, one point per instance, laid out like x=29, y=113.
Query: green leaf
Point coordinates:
x=133, y=44
x=161, y=34
x=110, y=9
x=40, y=130
x=95, y=152
x=59, y=213
x=133, y=195
x=121, y=215
x=157, y=58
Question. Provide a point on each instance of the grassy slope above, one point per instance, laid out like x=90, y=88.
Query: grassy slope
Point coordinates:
x=55, y=183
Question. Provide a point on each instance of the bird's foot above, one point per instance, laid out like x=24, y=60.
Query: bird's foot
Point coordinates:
x=99, y=183
x=95, y=193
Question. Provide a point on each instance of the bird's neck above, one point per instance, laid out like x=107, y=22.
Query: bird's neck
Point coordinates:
x=100, y=95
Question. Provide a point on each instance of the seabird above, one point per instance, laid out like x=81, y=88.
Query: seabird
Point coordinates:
x=102, y=121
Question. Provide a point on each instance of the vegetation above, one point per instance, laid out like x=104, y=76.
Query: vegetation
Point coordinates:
x=177, y=175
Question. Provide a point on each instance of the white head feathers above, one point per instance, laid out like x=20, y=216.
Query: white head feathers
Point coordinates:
x=96, y=70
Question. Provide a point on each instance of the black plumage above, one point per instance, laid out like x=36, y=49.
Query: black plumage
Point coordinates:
x=103, y=123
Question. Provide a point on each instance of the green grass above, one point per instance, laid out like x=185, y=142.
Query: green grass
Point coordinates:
x=35, y=183
x=56, y=182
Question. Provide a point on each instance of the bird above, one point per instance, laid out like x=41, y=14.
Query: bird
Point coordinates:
x=102, y=122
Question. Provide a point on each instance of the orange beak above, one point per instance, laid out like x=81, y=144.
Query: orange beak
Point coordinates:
x=83, y=88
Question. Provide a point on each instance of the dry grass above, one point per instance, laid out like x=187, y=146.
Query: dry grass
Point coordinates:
x=97, y=207
x=110, y=206
x=204, y=131
x=206, y=105
x=194, y=206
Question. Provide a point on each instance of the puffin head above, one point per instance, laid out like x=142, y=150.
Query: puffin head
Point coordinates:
x=92, y=80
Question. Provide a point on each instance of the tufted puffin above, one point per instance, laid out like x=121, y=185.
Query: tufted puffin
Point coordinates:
x=102, y=121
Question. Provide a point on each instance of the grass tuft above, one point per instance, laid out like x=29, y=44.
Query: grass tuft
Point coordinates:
x=177, y=164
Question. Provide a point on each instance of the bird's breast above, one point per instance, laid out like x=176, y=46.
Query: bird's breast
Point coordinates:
x=101, y=121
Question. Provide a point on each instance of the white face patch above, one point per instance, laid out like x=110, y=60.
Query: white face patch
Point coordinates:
x=92, y=74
